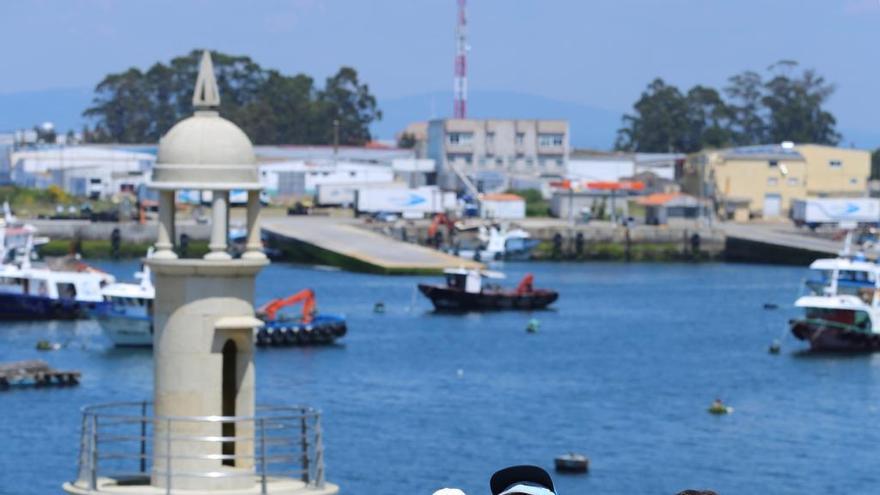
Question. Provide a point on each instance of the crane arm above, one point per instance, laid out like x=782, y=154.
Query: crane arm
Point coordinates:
x=306, y=296
x=525, y=285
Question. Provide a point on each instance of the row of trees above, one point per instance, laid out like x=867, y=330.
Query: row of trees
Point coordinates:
x=784, y=105
x=137, y=106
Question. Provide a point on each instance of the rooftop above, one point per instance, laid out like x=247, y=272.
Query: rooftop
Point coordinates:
x=762, y=152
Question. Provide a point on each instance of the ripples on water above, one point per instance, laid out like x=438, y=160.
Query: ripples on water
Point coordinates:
x=622, y=370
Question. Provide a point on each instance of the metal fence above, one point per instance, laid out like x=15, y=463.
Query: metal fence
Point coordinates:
x=118, y=442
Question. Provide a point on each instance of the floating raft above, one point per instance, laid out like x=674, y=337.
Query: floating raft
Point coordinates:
x=323, y=330
x=36, y=373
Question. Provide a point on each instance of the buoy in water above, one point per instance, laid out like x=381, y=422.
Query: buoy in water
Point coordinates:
x=379, y=307
x=775, y=347
x=572, y=463
x=719, y=408
x=771, y=306
x=533, y=326
x=45, y=345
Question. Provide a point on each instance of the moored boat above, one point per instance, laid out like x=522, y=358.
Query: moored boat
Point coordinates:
x=842, y=306
x=127, y=316
x=311, y=328
x=465, y=290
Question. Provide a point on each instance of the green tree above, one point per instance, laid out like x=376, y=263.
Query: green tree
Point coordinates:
x=406, y=141
x=746, y=91
x=659, y=123
x=272, y=108
x=709, y=120
x=795, y=107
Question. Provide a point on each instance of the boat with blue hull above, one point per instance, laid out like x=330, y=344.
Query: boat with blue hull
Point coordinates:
x=127, y=315
x=63, y=288
x=311, y=328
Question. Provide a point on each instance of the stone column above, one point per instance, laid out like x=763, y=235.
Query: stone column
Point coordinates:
x=164, y=242
x=254, y=247
x=219, y=226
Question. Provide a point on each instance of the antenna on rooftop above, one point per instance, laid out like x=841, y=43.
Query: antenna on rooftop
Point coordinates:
x=459, y=110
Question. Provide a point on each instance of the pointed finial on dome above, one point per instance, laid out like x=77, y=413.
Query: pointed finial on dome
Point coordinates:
x=206, y=96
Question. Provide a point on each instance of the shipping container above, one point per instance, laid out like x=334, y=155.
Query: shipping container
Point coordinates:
x=424, y=200
x=343, y=194
x=815, y=211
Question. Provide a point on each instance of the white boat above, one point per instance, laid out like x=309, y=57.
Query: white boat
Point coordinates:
x=127, y=316
x=64, y=289
x=842, y=304
x=500, y=243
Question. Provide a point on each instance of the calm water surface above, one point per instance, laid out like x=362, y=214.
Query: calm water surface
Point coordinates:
x=622, y=370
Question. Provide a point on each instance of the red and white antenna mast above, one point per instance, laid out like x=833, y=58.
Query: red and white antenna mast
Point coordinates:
x=459, y=110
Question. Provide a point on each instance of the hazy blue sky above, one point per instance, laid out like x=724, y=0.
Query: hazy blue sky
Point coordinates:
x=595, y=52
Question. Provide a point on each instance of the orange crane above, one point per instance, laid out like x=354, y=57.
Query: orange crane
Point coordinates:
x=306, y=296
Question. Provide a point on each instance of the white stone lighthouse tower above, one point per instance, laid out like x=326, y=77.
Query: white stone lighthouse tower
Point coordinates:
x=205, y=434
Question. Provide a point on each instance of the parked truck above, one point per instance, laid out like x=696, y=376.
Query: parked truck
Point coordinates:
x=343, y=194
x=813, y=212
x=407, y=202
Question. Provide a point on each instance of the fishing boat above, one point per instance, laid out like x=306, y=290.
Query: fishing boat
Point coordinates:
x=311, y=328
x=63, y=288
x=842, y=304
x=495, y=243
x=468, y=290
x=127, y=316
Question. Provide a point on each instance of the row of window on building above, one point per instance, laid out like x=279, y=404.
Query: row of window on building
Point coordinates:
x=544, y=140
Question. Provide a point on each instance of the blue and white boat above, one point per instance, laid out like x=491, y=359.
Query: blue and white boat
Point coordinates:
x=29, y=290
x=127, y=315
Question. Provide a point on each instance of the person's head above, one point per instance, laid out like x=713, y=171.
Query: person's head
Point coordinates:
x=521, y=480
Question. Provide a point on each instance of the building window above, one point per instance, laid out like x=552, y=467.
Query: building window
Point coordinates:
x=490, y=137
x=499, y=161
x=772, y=181
x=520, y=137
x=854, y=181
x=559, y=162
x=529, y=161
x=792, y=181
x=773, y=163
x=460, y=138
x=550, y=140
x=835, y=163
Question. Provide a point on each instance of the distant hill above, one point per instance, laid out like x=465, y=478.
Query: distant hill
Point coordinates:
x=591, y=127
x=63, y=107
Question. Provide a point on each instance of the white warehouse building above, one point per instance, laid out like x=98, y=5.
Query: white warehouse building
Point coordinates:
x=90, y=171
x=302, y=178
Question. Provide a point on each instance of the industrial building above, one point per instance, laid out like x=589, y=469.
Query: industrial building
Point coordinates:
x=91, y=171
x=762, y=181
x=493, y=150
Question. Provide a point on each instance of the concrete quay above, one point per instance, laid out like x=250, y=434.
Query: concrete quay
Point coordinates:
x=343, y=243
x=778, y=243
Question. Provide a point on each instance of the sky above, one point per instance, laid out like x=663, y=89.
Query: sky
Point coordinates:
x=600, y=53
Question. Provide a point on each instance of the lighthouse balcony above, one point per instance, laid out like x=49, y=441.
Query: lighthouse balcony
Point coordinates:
x=126, y=450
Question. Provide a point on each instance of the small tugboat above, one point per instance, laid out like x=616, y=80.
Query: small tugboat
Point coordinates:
x=842, y=306
x=310, y=329
x=466, y=291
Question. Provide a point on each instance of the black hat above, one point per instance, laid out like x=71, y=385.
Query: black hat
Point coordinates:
x=532, y=476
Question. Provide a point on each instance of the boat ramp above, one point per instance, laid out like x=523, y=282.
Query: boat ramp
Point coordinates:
x=342, y=243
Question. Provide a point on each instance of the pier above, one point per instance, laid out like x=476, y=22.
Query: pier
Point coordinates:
x=340, y=242
x=35, y=372
x=780, y=243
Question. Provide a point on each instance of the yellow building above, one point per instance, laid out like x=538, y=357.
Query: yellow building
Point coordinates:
x=761, y=181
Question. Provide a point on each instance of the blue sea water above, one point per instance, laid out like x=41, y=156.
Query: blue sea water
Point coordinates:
x=622, y=370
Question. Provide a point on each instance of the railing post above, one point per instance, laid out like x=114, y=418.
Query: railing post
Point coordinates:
x=304, y=427
x=319, y=453
x=168, y=456
x=82, y=462
x=263, y=456
x=93, y=469
x=144, y=437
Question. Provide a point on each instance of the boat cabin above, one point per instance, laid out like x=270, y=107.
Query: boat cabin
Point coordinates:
x=845, y=276
x=50, y=284
x=469, y=280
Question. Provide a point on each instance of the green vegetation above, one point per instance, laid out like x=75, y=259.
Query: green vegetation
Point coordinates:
x=785, y=107
x=137, y=106
x=612, y=251
x=27, y=202
x=536, y=205
x=97, y=249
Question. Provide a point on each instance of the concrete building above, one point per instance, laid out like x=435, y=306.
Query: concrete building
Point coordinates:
x=589, y=203
x=502, y=147
x=503, y=206
x=296, y=179
x=671, y=208
x=208, y=436
x=761, y=181
x=96, y=172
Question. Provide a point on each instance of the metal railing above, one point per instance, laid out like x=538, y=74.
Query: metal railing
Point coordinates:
x=119, y=440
